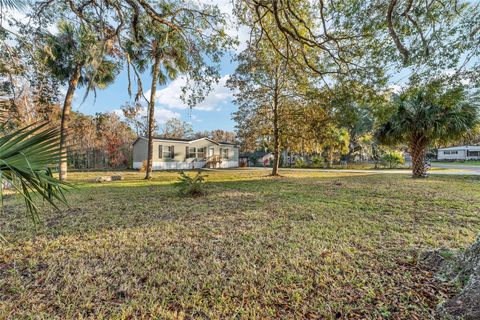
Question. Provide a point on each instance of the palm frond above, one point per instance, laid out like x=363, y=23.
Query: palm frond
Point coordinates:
x=25, y=157
x=434, y=115
x=13, y=4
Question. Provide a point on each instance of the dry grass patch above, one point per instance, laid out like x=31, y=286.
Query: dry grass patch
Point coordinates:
x=306, y=245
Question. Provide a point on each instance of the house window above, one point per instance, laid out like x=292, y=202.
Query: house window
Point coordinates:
x=201, y=153
x=224, y=153
x=168, y=152
x=191, y=152
x=165, y=152
x=450, y=152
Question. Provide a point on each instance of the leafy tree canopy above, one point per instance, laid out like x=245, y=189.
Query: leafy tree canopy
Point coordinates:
x=434, y=112
x=371, y=39
x=428, y=114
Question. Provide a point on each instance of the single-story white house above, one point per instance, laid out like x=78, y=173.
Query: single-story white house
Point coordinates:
x=459, y=153
x=184, y=154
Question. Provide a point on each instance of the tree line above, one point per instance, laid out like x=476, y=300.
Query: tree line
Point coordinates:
x=173, y=128
x=309, y=70
x=77, y=44
x=55, y=43
x=323, y=77
x=313, y=73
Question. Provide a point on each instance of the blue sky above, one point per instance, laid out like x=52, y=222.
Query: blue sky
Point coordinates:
x=215, y=112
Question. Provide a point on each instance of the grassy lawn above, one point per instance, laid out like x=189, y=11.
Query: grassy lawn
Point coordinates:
x=354, y=166
x=462, y=163
x=307, y=245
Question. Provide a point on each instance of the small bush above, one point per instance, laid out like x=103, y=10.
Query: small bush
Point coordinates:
x=392, y=159
x=317, y=162
x=300, y=163
x=191, y=186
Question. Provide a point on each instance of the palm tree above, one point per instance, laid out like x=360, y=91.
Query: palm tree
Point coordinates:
x=163, y=50
x=335, y=140
x=25, y=156
x=12, y=4
x=427, y=115
x=76, y=56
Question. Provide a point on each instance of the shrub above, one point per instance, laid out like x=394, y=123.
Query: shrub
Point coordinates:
x=300, y=163
x=392, y=159
x=191, y=186
x=317, y=161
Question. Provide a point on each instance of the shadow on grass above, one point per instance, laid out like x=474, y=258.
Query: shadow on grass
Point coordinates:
x=136, y=202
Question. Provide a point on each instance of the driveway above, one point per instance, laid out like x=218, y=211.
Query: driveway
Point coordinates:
x=456, y=166
x=457, y=170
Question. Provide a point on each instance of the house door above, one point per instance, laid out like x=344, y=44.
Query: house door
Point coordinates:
x=210, y=152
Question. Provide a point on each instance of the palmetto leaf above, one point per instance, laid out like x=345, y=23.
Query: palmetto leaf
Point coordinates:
x=440, y=117
x=25, y=156
x=13, y=4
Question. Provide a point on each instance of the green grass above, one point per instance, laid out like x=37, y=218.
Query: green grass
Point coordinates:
x=305, y=245
x=352, y=166
x=462, y=163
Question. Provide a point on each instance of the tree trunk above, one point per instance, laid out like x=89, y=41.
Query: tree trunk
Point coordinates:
x=418, y=148
x=276, y=145
x=151, y=117
x=276, y=131
x=351, y=147
x=329, y=157
x=67, y=108
x=375, y=155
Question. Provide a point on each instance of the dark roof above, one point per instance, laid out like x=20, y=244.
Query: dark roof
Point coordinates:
x=172, y=139
x=229, y=143
x=184, y=140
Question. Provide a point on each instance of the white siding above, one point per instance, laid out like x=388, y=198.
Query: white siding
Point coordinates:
x=180, y=159
x=229, y=164
x=184, y=165
x=447, y=155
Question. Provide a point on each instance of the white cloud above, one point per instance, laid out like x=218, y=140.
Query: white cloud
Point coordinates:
x=243, y=37
x=395, y=88
x=194, y=118
x=22, y=16
x=169, y=97
x=233, y=29
x=161, y=115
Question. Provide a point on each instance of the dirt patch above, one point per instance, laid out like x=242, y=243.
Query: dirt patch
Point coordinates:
x=463, y=270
